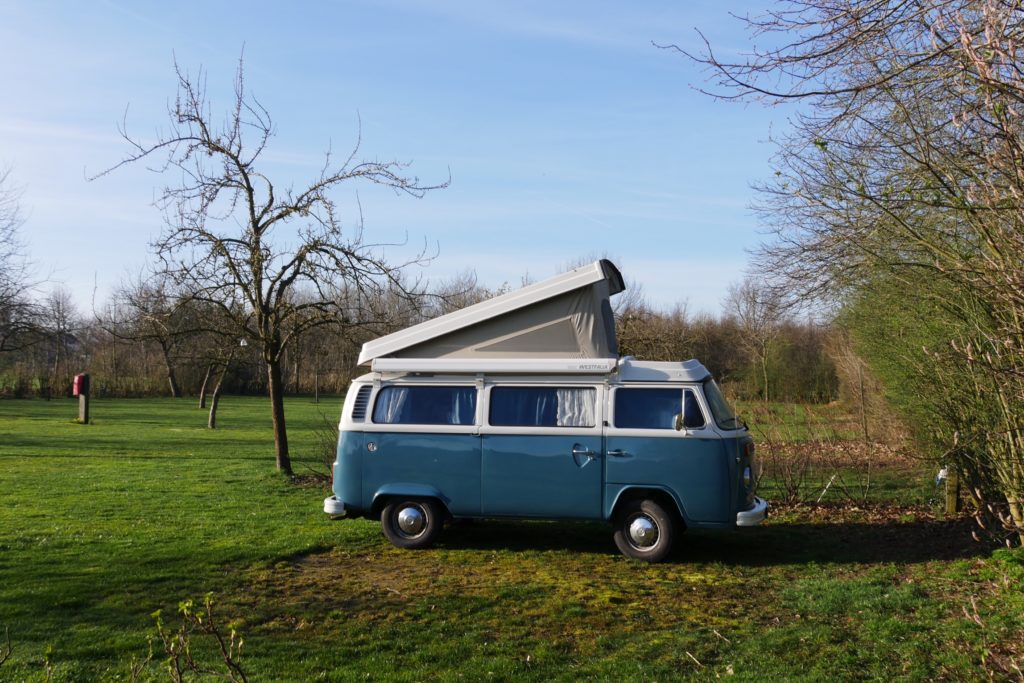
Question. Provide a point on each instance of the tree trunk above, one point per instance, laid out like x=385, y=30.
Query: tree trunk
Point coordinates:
x=215, y=397
x=284, y=463
x=172, y=379
x=211, y=422
x=764, y=374
x=202, y=389
x=863, y=400
x=1017, y=517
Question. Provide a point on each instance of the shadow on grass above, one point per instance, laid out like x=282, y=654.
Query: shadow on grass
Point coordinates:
x=783, y=543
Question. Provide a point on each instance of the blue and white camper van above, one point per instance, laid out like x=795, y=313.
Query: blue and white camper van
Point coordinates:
x=520, y=407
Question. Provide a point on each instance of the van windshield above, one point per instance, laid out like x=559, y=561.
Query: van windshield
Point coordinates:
x=725, y=418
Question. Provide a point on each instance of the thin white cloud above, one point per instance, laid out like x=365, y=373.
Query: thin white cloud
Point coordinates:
x=48, y=130
x=539, y=21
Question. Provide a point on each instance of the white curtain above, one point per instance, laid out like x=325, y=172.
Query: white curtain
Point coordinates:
x=389, y=405
x=576, y=407
x=464, y=408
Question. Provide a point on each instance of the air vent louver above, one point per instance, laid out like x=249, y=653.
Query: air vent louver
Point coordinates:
x=362, y=401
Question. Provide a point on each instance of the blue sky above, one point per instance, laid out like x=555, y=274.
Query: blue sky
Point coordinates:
x=566, y=133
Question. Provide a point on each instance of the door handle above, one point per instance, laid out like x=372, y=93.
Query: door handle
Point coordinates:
x=618, y=453
x=579, y=451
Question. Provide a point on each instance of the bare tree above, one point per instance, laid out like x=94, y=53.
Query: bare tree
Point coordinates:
x=457, y=292
x=17, y=310
x=235, y=239
x=61, y=321
x=153, y=310
x=758, y=311
x=904, y=175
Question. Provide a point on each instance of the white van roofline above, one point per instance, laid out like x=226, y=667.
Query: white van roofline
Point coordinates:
x=625, y=369
x=504, y=305
x=518, y=366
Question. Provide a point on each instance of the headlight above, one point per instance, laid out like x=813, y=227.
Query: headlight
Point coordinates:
x=747, y=477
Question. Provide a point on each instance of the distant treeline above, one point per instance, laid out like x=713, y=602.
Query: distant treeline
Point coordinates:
x=145, y=343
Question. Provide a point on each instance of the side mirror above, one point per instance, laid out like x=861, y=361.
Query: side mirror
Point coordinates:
x=679, y=422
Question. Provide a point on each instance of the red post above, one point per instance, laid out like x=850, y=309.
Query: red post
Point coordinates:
x=80, y=388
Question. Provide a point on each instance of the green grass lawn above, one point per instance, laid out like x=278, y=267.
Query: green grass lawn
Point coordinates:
x=102, y=525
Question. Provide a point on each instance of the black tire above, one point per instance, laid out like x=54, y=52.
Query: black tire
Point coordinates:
x=415, y=535
x=647, y=513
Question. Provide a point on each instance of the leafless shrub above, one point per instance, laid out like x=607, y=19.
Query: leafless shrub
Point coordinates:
x=808, y=455
x=790, y=471
x=6, y=649
x=995, y=521
x=856, y=488
x=325, y=447
x=177, y=643
x=1003, y=656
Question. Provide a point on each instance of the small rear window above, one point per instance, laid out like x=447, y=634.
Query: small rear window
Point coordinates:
x=425, y=405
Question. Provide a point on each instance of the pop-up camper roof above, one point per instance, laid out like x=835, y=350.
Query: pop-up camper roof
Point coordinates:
x=563, y=324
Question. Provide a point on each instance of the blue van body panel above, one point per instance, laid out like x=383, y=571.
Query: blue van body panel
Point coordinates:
x=614, y=492
x=539, y=476
x=696, y=471
x=449, y=463
x=412, y=491
x=348, y=470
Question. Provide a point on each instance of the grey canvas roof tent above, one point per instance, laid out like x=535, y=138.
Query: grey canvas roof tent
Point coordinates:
x=561, y=325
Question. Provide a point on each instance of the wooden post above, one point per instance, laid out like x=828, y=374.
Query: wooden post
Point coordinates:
x=953, y=505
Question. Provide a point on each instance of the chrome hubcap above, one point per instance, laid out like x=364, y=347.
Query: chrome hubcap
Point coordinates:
x=411, y=520
x=643, y=532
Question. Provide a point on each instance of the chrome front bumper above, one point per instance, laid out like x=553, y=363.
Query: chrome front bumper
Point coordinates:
x=754, y=515
x=333, y=506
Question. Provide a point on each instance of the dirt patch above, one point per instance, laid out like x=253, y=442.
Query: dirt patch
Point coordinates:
x=311, y=481
x=566, y=581
x=567, y=598
x=840, y=454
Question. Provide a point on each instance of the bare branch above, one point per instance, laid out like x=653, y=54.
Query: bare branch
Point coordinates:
x=235, y=243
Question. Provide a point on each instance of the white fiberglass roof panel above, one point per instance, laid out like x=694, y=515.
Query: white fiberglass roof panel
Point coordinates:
x=658, y=371
x=567, y=316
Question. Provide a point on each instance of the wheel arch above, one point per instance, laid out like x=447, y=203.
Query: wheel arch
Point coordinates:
x=391, y=491
x=667, y=499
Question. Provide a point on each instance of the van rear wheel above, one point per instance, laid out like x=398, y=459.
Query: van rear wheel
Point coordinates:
x=644, y=530
x=412, y=523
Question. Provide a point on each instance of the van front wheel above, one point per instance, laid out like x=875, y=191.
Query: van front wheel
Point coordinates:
x=644, y=530
x=412, y=524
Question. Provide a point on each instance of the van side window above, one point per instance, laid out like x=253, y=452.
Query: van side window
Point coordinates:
x=425, y=405
x=693, y=416
x=656, y=409
x=543, y=407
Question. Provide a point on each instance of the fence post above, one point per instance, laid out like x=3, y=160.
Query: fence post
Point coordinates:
x=953, y=505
